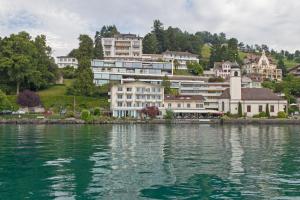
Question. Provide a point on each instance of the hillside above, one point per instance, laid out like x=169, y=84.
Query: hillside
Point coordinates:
x=55, y=98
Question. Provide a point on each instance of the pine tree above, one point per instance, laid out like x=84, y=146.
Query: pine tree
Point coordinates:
x=240, y=111
x=267, y=110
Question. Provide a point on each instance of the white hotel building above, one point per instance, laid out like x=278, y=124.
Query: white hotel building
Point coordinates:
x=181, y=57
x=127, y=100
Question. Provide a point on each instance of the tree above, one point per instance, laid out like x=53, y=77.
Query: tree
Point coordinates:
x=158, y=31
x=28, y=98
x=267, y=110
x=166, y=84
x=109, y=31
x=195, y=68
x=98, y=49
x=282, y=66
x=151, y=111
x=5, y=104
x=176, y=64
x=26, y=62
x=169, y=114
x=240, y=110
x=150, y=44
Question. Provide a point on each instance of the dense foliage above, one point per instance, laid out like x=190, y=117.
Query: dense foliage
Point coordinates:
x=166, y=83
x=26, y=63
x=195, y=68
x=4, y=102
x=290, y=86
x=28, y=98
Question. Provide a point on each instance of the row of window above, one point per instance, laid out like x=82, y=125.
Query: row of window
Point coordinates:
x=138, y=104
x=129, y=96
x=140, y=89
x=188, y=105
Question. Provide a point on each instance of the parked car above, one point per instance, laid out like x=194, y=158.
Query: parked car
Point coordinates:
x=5, y=112
x=19, y=112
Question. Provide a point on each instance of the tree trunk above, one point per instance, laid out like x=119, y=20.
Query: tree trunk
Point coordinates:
x=18, y=87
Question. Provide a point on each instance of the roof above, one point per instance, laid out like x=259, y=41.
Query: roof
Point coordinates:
x=294, y=68
x=254, y=94
x=180, y=53
x=184, y=97
x=190, y=78
x=138, y=82
x=127, y=35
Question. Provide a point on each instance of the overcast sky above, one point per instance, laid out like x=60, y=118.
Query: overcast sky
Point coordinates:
x=271, y=22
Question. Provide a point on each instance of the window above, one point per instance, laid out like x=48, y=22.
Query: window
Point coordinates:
x=188, y=105
x=129, y=89
x=272, y=108
x=169, y=105
x=223, y=106
x=260, y=108
x=179, y=105
x=119, y=104
x=120, y=96
x=249, y=108
x=236, y=74
x=128, y=104
x=129, y=96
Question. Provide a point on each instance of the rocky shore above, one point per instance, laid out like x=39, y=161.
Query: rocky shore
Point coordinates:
x=155, y=121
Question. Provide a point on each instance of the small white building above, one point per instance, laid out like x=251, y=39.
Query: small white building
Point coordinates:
x=222, y=69
x=64, y=61
x=127, y=100
x=253, y=100
x=182, y=58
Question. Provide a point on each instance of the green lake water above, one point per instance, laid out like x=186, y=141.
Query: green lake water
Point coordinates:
x=149, y=162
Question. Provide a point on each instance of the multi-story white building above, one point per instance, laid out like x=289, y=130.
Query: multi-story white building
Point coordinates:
x=127, y=100
x=64, y=61
x=122, y=47
x=252, y=100
x=106, y=71
x=180, y=57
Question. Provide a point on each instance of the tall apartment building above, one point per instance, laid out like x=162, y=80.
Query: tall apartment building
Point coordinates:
x=106, y=71
x=180, y=57
x=127, y=100
x=63, y=61
x=122, y=47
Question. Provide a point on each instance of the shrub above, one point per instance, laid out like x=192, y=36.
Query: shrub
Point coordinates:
x=4, y=102
x=85, y=115
x=260, y=115
x=28, y=98
x=97, y=111
x=169, y=114
x=69, y=114
x=281, y=115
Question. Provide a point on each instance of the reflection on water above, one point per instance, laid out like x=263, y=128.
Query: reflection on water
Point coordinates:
x=149, y=162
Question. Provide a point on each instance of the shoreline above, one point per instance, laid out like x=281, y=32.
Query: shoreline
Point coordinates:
x=155, y=121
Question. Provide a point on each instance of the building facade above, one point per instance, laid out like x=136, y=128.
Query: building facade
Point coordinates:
x=122, y=47
x=180, y=59
x=252, y=100
x=127, y=100
x=64, y=61
x=263, y=69
x=222, y=69
x=106, y=71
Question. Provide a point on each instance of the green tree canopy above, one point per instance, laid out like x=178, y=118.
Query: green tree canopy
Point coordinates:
x=5, y=104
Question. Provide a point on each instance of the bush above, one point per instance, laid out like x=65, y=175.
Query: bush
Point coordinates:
x=260, y=115
x=281, y=115
x=4, y=102
x=69, y=114
x=97, y=111
x=85, y=115
x=28, y=98
x=169, y=114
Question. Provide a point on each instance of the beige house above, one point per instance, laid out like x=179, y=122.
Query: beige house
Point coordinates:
x=127, y=100
x=253, y=100
x=187, y=106
x=263, y=69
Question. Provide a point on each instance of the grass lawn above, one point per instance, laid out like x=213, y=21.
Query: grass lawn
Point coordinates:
x=55, y=98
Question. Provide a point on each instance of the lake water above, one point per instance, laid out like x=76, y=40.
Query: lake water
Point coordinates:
x=149, y=162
